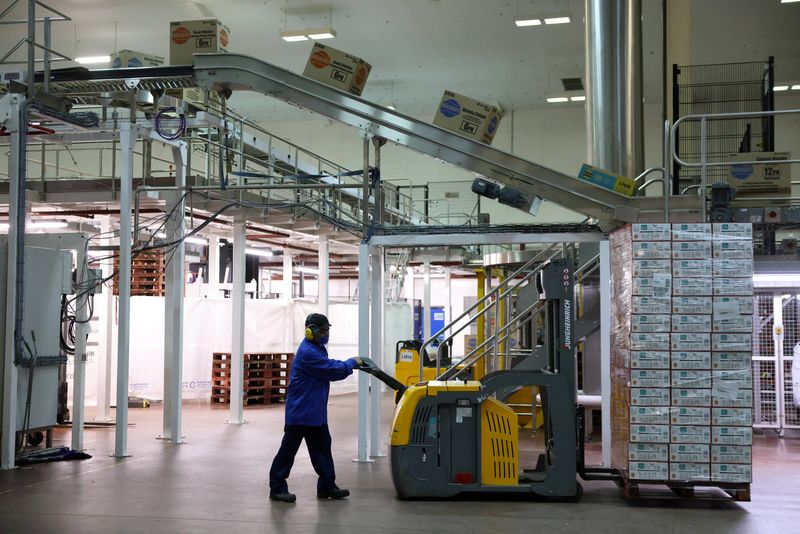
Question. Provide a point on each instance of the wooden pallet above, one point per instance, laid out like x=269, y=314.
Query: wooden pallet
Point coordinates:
x=737, y=491
x=265, y=377
x=147, y=274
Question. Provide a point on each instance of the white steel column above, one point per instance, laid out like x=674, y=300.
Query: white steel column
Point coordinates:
x=409, y=284
x=213, y=266
x=8, y=431
x=777, y=339
x=363, y=348
x=236, y=415
x=376, y=349
x=79, y=363
x=426, y=302
x=173, y=305
x=127, y=138
x=105, y=358
x=605, y=349
x=448, y=315
x=324, y=274
x=287, y=275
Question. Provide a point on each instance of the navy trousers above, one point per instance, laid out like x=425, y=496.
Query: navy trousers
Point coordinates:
x=318, y=441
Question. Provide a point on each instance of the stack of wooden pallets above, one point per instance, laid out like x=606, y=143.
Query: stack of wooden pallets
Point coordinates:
x=147, y=274
x=265, y=377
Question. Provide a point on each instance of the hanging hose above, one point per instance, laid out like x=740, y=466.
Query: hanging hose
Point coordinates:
x=181, y=126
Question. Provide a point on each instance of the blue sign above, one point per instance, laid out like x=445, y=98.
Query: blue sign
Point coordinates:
x=742, y=171
x=450, y=108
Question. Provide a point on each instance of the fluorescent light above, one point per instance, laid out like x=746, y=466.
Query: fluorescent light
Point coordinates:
x=577, y=98
x=781, y=87
x=557, y=20
x=196, y=240
x=261, y=252
x=790, y=278
x=325, y=33
x=90, y=60
x=528, y=22
x=309, y=33
x=294, y=36
x=789, y=1
x=308, y=270
x=39, y=225
x=558, y=99
x=796, y=87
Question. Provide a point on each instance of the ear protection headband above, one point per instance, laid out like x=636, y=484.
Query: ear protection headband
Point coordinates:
x=311, y=332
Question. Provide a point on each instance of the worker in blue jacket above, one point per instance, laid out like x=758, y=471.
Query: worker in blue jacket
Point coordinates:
x=307, y=413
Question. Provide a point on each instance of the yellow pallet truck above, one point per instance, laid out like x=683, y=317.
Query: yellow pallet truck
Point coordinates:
x=452, y=437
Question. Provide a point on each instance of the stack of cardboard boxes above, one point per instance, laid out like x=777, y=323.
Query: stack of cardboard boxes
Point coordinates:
x=681, y=352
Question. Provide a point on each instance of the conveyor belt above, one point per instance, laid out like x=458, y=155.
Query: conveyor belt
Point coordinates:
x=238, y=72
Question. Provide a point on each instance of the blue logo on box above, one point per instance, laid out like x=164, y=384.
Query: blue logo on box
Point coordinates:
x=742, y=171
x=450, y=108
x=134, y=62
x=117, y=63
x=492, y=125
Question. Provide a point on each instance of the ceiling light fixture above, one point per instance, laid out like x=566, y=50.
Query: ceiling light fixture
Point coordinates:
x=796, y=87
x=577, y=98
x=781, y=88
x=789, y=1
x=317, y=34
x=39, y=225
x=558, y=99
x=196, y=240
x=261, y=252
x=557, y=20
x=91, y=60
x=527, y=22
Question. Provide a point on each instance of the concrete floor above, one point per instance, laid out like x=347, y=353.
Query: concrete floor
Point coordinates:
x=216, y=482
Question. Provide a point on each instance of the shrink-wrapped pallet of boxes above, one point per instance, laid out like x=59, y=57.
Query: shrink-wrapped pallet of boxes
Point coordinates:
x=682, y=317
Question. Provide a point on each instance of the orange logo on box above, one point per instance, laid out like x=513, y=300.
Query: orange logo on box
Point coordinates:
x=223, y=38
x=361, y=75
x=320, y=59
x=180, y=35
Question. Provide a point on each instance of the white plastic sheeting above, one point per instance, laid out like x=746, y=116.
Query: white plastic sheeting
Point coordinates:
x=796, y=374
x=270, y=326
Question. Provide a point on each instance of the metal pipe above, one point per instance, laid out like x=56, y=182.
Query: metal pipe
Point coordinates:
x=365, y=187
x=31, y=47
x=236, y=414
x=703, y=168
x=363, y=348
x=667, y=175
x=376, y=349
x=128, y=136
x=47, y=44
x=614, y=85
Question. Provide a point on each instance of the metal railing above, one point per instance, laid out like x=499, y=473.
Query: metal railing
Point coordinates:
x=704, y=164
x=497, y=294
x=504, y=333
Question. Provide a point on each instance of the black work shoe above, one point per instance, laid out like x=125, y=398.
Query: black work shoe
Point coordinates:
x=335, y=493
x=283, y=497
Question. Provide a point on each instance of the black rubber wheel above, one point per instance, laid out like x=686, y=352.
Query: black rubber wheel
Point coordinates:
x=35, y=438
x=578, y=494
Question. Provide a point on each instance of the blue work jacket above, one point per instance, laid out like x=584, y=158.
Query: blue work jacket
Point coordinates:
x=309, y=383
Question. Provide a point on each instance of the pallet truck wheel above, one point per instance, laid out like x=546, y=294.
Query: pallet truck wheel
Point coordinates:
x=578, y=494
x=35, y=438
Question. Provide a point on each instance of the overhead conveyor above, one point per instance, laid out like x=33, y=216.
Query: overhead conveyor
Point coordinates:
x=235, y=72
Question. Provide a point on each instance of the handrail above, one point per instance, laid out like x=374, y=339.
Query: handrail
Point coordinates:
x=487, y=297
x=648, y=171
x=518, y=319
x=650, y=182
x=677, y=123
